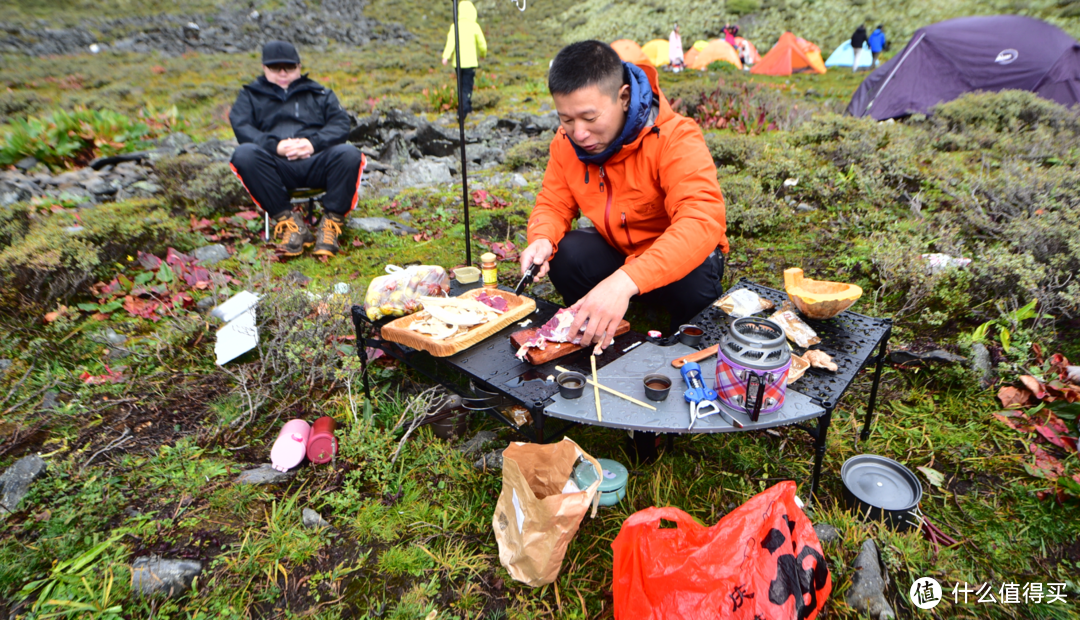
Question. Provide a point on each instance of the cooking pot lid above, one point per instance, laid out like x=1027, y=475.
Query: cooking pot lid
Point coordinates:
x=881, y=482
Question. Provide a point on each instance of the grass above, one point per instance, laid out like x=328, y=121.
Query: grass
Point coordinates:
x=414, y=536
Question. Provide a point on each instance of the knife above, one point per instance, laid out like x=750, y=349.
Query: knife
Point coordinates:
x=530, y=273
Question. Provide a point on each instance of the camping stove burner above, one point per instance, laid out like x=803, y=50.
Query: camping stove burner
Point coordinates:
x=752, y=367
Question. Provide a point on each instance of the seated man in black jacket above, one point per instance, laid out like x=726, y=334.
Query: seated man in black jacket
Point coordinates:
x=292, y=134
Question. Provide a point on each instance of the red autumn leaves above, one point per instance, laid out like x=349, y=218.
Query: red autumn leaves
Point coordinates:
x=1048, y=401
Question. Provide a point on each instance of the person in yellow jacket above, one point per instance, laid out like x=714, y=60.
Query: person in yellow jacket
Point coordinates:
x=473, y=46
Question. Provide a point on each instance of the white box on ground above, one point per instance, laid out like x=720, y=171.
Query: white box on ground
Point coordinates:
x=235, y=306
x=240, y=334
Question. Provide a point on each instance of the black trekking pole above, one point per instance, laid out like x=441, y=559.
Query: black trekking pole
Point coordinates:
x=461, y=131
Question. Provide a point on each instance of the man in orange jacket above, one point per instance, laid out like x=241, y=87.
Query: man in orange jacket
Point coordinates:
x=643, y=175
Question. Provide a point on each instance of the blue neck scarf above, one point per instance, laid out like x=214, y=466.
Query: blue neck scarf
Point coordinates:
x=637, y=116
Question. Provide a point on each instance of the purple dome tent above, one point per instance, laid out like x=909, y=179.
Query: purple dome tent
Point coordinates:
x=945, y=60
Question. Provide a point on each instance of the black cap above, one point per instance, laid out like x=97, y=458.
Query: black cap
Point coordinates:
x=279, y=53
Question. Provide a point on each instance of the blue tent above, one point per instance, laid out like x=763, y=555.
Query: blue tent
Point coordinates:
x=844, y=56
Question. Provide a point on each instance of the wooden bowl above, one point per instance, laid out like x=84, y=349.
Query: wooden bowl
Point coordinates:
x=819, y=299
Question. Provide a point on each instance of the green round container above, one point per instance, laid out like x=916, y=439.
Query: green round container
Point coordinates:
x=613, y=484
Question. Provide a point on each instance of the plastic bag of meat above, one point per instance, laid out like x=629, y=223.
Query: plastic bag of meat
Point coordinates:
x=555, y=330
x=399, y=292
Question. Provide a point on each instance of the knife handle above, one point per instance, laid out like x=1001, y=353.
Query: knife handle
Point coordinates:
x=697, y=356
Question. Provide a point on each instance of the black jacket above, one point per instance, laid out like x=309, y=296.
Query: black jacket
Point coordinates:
x=265, y=114
x=858, y=37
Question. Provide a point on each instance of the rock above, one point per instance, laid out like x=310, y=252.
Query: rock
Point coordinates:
x=50, y=401
x=146, y=187
x=868, y=583
x=205, y=304
x=909, y=358
x=313, y=520
x=99, y=187
x=176, y=141
x=584, y=222
x=436, y=141
x=370, y=224
x=263, y=474
x=484, y=154
x=11, y=193
x=528, y=197
x=425, y=173
x=110, y=337
x=519, y=180
x=5, y=364
x=826, y=533
x=492, y=461
x=151, y=575
x=16, y=480
x=406, y=215
x=478, y=442
x=296, y=278
x=366, y=130
x=802, y=207
x=210, y=254
x=395, y=152
x=26, y=164
x=981, y=364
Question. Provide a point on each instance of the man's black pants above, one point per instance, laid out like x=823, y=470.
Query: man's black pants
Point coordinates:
x=269, y=178
x=584, y=259
x=468, y=77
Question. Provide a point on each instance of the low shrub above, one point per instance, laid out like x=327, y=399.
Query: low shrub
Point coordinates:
x=59, y=256
x=63, y=138
x=201, y=187
x=485, y=99
x=750, y=208
x=19, y=104
x=530, y=153
x=735, y=150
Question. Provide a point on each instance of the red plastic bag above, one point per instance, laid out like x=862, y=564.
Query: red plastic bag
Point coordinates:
x=760, y=562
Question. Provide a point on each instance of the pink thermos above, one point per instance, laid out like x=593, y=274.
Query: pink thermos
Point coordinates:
x=322, y=445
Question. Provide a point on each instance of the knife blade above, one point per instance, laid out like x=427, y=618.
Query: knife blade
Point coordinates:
x=530, y=273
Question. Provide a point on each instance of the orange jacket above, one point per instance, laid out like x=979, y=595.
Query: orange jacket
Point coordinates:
x=657, y=200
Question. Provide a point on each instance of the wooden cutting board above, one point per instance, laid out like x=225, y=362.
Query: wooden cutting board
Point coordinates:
x=552, y=350
x=518, y=307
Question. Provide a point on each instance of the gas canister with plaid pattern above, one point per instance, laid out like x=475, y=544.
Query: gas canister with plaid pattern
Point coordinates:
x=752, y=367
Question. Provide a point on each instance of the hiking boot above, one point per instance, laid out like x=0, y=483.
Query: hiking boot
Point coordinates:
x=291, y=233
x=326, y=235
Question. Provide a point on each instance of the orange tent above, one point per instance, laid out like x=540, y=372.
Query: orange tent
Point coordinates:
x=718, y=49
x=754, y=57
x=790, y=55
x=630, y=52
x=690, y=55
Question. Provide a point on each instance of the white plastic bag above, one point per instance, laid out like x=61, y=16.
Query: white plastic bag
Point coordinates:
x=399, y=292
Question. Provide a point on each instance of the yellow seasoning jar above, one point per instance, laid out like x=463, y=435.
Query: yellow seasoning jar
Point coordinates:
x=490, y=268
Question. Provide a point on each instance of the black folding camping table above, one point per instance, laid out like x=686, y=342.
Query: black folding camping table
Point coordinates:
x=490, y=376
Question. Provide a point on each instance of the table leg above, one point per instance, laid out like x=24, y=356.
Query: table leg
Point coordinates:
x=538, y=424
x=644, y=447
x=874, y=388
x=361, y=349
x=819, y=451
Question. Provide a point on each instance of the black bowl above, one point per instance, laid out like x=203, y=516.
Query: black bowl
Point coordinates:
x=880, y=489
x=571, y=384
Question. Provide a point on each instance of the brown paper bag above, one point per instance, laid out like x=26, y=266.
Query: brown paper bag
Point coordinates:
x=534, y=520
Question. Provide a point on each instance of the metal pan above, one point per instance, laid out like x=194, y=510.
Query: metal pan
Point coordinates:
x=880, y=489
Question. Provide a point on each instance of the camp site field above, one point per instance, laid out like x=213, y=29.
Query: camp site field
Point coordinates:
x=107, y=345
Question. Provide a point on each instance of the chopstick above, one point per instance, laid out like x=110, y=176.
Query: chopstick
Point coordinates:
x=596, y=384
x=596, y=388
